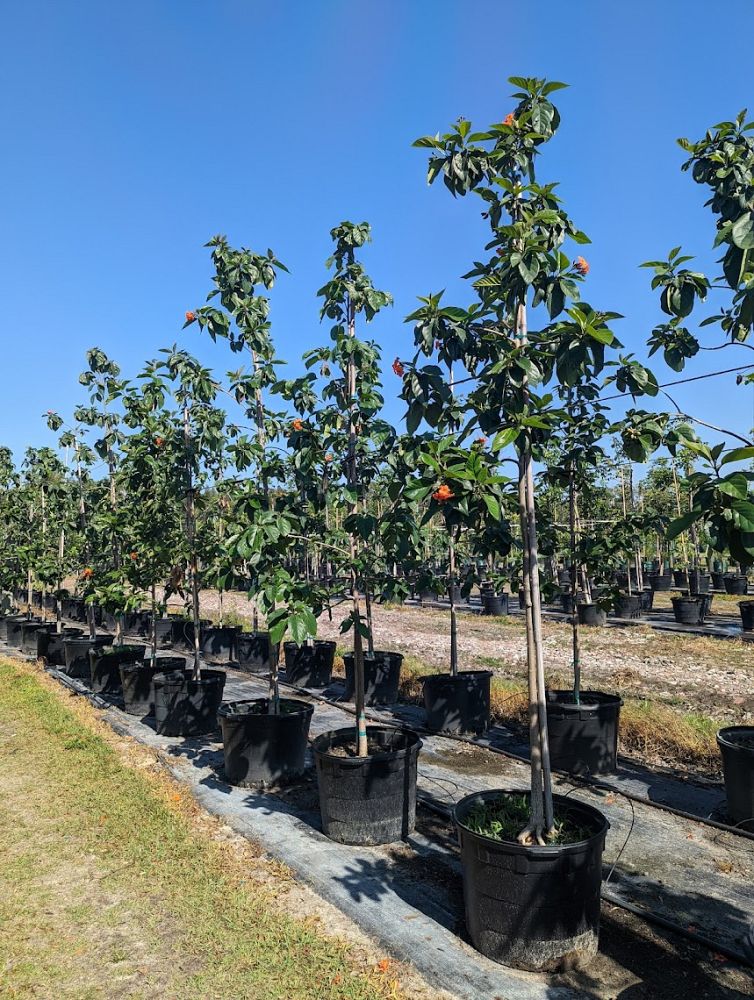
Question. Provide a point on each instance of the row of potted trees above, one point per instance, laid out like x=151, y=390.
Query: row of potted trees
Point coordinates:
x=283, y=501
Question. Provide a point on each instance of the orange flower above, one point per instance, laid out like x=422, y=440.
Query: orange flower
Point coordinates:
x=509, y=119
x=159, y=441
x=297, y=425
x=134, y=556
x=398, y=368
x=443, y=493
x=481, y=441
x=190, y=316
x=328, y=457
x=88, y=573
x=581, y=266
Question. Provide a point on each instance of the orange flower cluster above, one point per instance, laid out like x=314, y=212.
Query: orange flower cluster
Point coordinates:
x=159, y=441
x=134, y=556
x=88, y=573
x=398, y=368
x=190, y=316
x=297, y=425
x=509, y=119
x=443, y=494
x=328, y=457
x=581, y=266
x=482, y=441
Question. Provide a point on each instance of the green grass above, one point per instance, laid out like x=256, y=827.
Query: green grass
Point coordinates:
x=110, y=886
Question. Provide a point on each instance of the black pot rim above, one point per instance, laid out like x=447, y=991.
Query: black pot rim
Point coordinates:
x=98, y=640
x=459, y=677
x=589, y=699
x=746, y=604
x=688, y=598
x=290, y=644
x=227, y=709
x=376, y=655
x=531, y=850
x=335, y=736
x=724, y=739
x=208, y=676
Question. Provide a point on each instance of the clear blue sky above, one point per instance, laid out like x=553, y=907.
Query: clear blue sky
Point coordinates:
x=133, y=131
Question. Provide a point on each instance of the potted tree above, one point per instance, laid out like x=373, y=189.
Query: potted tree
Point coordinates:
x=537, y=840
x=186, y=701
x=367, y=776
x=264, y=739
x=723, y=161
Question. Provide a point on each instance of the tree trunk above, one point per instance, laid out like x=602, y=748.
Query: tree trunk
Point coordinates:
x=574, y=589
x=191, y=538
x=453, y=616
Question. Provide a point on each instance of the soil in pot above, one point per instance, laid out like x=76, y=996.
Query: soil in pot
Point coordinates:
x=583, y=737
x=136, y=682
x=627, y=606
x=494, y=604
x=76, y=654
x=261, y=748
x=737, y=749
x=382, y=674
x=309, y=665
x=184, y=706
x=253, y=652
x=736, y=583
x=747, y=615
x=530, y=907
x=50, y=644
x=459, y=704
x=372, y=799
x=592, y=614
x=217, y=643
x=105, y=663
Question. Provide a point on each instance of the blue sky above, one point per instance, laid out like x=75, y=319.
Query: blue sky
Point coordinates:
x=134, y=131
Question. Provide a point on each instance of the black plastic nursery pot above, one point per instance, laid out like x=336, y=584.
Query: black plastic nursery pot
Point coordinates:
x=566, y=601
x=105, y=663
x=736, y=583
x=136, y=682
x=164, y=627
x=533, y=908
x=737, y=749
x=583, y=737
x=309, y=665
x=76, y=654
x=50, y=644
x=661, y=581
x=699, y=583
x=5, y=622
x=592, y=614
x=646, y=599
x=183, y=635
x=454, y=594
x=261, y=748
x=29, y=632
x=458, y=704
x=690, y=610
x=217, y=643
x=428, y=596
x=747, y=615
x=494, y=604
x=184, y=706
x=681, y=578
x=382, y=675
x=367, y=800
x=137, y=623
x=15, y=628
x=253, y=652
x=627, y=606
x=718, y=581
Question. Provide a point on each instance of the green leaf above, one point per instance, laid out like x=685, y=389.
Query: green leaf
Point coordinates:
x=503, y=438
x=682, y=523
x=737, y=455
x=742, y=232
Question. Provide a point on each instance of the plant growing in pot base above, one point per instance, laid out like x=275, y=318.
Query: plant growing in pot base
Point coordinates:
x=510, y=400
x=736, y=745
